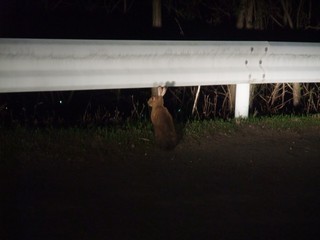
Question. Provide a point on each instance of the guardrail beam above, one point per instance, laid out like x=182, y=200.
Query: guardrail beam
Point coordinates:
x=55, y=65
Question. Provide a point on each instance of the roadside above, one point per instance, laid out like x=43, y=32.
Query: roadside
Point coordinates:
x=252, y=182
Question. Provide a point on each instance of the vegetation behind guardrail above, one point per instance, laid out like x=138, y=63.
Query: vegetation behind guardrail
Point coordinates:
x=115, y=107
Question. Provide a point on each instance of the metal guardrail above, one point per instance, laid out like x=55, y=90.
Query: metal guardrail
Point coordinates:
x=54, y=65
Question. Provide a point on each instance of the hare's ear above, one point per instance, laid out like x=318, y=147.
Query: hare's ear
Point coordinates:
x=162, y=91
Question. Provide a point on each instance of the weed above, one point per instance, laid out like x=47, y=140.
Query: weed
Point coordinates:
x=81, y=144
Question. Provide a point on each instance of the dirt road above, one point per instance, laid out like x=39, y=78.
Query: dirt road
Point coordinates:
x=254, y=183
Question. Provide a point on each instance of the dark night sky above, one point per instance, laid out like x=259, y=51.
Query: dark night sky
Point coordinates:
x=71, y=19
x=90, y=20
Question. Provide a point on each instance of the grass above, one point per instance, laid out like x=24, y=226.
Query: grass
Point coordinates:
x=77, y=144
x=199, y=128
x=282, y=122
x=285, y=122
x=71, y=144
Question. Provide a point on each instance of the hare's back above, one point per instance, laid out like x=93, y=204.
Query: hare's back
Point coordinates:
x=161, y=116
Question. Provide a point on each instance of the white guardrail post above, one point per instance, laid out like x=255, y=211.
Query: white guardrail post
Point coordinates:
x=242, y=100
x=57, y=65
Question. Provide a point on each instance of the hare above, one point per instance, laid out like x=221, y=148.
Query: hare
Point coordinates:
x=164, y=131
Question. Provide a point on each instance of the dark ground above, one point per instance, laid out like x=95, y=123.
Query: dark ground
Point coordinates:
x=252, y=184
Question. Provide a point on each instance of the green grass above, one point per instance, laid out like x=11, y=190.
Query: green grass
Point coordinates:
x=71, y=144
x=200, y=128
x=78, y=144
x=284, y=122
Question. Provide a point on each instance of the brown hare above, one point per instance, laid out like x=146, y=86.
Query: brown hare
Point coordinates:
x=165, y=134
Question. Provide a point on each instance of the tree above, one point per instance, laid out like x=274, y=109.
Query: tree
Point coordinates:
x=156, y=14
x=287, y=7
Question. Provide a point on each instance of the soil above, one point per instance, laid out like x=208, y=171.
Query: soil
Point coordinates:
x=254, y=183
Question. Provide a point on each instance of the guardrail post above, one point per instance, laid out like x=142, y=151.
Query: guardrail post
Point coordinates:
x=242, y=100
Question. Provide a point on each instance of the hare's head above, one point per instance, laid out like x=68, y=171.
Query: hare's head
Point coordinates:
x=157, y=100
